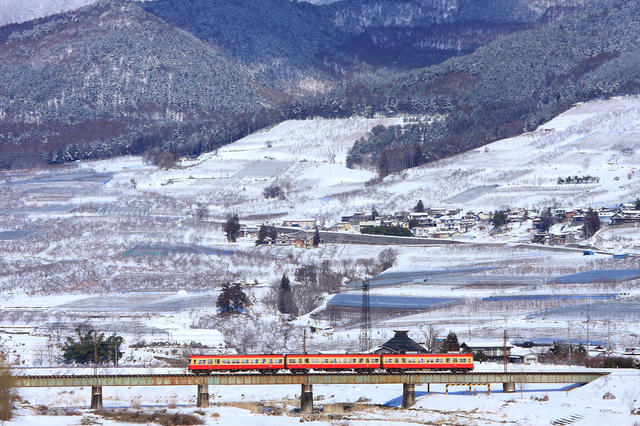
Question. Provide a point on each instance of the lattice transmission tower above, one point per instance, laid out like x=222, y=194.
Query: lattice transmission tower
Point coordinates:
x=365, y=319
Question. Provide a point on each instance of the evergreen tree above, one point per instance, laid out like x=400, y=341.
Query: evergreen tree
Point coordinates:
x=83, y=350
x=262, y=235
x=450, y=343
x=384, y=168
x=637, y=203
x=591, y=223
x=418, y=156
x=557, y=349
x=285, y=296
x=267, y=232
x=232, y=227
x=499, y=219
x=232, y=299
x=419, y=208
x=374, y=213
x=316, y=238
x=272, y=233
x=546, y=220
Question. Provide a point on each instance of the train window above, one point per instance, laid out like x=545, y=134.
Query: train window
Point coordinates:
x=225, y=361
x=235, y=361
x=202, y=361
x=397, y=360
x=333, y=361
x=448, y=360
x=209, y=361
x=280, y=361
x=404, y=360
x=244, y=361
x=306, y=360
x=217, y=361
x=292, y=361
x=360, y=360
x=439, y=360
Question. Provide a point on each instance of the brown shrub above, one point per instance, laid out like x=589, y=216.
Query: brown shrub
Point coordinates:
x=161, y=417
x=6, y=391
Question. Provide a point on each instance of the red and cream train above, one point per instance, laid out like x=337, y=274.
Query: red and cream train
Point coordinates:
x=303, y=363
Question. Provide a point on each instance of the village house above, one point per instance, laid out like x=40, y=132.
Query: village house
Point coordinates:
x=494, y=350
x=299, y=223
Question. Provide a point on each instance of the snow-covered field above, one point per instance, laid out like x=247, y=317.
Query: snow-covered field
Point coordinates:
x=117, y=244
x=307, y=159
x=370, y=405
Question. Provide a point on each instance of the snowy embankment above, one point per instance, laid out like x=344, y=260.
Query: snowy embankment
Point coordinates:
x=530, y=405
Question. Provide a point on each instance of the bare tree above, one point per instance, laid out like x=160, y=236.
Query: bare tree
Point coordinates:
x=387, y=258
x=431, y=335
x=202, y=211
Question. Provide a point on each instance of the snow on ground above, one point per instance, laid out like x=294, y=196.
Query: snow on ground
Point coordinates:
x=307, y=159
x=134, y=203
x=532, y=404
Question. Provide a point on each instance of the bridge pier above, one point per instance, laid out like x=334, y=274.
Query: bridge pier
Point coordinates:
x=508, y=387
x=306, y=399
x=408, y=395
x=203, y=396
x=96, y=397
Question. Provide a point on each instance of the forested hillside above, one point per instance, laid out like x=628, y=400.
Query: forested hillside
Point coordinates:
x=123, y=77
x=284, y=42
x=509, y=86
x=113, y=79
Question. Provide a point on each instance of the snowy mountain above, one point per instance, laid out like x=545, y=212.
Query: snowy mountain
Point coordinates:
x=12, y=11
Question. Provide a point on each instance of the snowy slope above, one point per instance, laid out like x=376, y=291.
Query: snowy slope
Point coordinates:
x=15, y=11
x=307, y=159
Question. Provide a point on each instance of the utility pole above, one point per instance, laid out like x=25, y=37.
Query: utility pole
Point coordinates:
x=304, y=340
x=608, y=336
x=504, y=350
x=569, y=327
x=587, y=338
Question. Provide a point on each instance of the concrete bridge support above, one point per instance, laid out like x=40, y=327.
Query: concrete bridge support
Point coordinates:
x=508, y=387
x=203, y=396
x=408, y=395
x=96, y=397
x=306, y=399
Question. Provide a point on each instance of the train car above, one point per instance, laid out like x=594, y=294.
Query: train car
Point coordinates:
x=301, y=363
x=206, y=364
x=434, y=362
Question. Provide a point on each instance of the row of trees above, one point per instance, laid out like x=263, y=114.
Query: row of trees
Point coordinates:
x=578, y=179
x=92, y=347
x=394, y=230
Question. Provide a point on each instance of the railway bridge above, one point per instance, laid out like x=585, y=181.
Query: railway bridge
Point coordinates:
x=408, y=381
